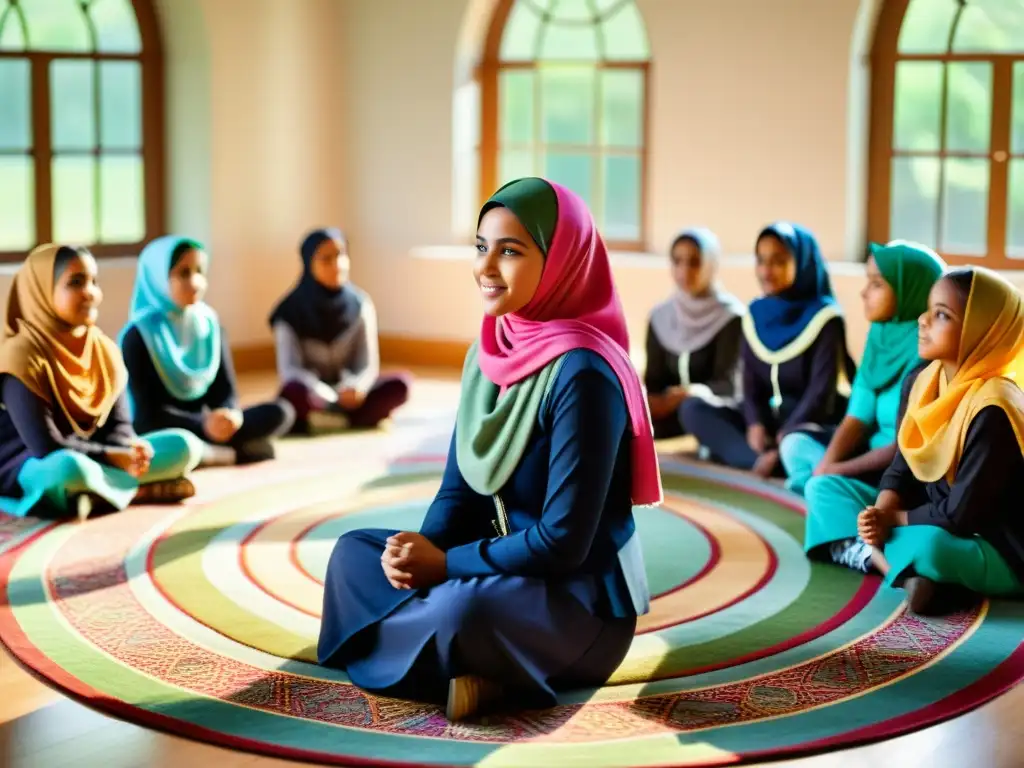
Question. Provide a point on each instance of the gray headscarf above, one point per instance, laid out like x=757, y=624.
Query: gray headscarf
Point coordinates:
x=685, y=323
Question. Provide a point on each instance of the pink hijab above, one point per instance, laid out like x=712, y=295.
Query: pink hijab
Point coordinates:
x=576, y=307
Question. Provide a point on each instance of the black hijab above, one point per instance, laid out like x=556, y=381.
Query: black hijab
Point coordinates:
x=312, y=310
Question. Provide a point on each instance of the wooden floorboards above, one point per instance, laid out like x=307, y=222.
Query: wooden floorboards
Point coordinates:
x=40, y=728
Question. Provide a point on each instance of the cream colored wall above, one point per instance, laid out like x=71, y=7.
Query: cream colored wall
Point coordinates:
x=746, y=127
x=256, y=137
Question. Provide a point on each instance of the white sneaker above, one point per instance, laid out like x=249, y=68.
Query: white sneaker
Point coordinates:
x=83, y=506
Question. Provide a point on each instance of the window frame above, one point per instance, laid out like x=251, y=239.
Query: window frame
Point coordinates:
x=885, y=56
x=151, y=63
x=488, y=76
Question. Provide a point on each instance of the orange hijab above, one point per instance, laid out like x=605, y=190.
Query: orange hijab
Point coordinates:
x=82, y=376
x=991, y=366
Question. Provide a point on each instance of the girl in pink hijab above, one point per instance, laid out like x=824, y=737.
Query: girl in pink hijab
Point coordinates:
x=526, y=578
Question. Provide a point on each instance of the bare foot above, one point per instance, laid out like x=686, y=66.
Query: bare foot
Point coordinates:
x=467, y=694
x=766, y=464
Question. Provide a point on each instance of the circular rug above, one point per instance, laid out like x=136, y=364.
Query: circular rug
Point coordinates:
x=202, y=620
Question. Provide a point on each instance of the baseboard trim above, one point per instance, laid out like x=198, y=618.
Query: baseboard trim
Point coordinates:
x=423, y=352
x=395, y=350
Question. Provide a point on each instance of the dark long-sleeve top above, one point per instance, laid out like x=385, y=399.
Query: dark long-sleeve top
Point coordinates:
x=984, y=499
x=351, y=359
x=31, y=428
x=715, y=365
x=568, y=502
x=808, y=384
x=155, y=407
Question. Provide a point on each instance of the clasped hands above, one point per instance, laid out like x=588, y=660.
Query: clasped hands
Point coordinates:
x=221, y=424
x=133, y=459
x=411, y=561
x=874, y=525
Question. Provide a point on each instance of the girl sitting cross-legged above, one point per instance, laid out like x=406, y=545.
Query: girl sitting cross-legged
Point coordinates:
x=66, y=441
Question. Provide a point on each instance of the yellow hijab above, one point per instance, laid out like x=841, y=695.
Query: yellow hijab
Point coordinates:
x=991, y=365
x=82, y=376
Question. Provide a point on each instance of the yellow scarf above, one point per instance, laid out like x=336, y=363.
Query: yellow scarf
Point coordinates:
x=991, y=365
x=82, y=376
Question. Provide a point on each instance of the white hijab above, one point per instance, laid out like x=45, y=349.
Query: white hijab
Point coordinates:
x=684, y=323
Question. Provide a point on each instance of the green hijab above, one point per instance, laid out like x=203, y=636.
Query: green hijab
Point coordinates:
x=492, y=432
x=891, y=350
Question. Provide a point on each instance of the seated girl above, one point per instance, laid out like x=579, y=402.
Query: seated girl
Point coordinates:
x=948, y=513
x=899, y=277
x=527, y=577
x=794, y=357
x=179, y=361
x=325, y=332
x=693, y=338
x=66, y=442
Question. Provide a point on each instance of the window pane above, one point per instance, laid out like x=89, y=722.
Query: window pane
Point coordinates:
x=56, y=25
x=120, y=104
x=559, y=42
x=17, y=204
x=573, y=170
x=515, y=164
x=625, y=36
x=1015, y=215
x=573, y=10
x=622, y=118
x=74, y=200
x=73, y=120
x=567, y=105
x=516, y=88
x=918, y=105
x=915, y=199
x=12, y=35
x=995, y=26
x=606, y=7
x=117, y=31
x=1017, y=137
x=926, y=26
x=519, y=38
x=122, y=195
x=15, y=95
x=621, y=218
x=965, y=209
x=969, y=110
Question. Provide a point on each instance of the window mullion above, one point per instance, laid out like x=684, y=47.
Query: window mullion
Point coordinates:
x=42, y=147
x=998, y=189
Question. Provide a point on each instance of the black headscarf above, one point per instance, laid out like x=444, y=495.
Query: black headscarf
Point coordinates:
x=313, y=310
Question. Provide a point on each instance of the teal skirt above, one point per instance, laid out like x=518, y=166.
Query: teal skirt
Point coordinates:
x=55, y=479
x=833, y=504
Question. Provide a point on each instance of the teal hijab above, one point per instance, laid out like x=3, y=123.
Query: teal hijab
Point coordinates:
x=184, y=345
x=911, y=270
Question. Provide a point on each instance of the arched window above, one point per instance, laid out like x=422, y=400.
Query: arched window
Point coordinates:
x=947, y=128
x=81, y=142
x=564, y=95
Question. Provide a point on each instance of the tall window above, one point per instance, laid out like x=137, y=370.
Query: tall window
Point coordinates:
x=564, y=95
x=80, y=136
x=947, y=133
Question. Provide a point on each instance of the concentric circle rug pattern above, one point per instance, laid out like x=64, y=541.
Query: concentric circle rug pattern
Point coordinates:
x=203, y=619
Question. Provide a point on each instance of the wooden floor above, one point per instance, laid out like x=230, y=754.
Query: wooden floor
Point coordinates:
x=43, y=729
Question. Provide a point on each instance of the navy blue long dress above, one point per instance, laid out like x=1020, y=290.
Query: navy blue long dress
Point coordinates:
x=550, y=606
